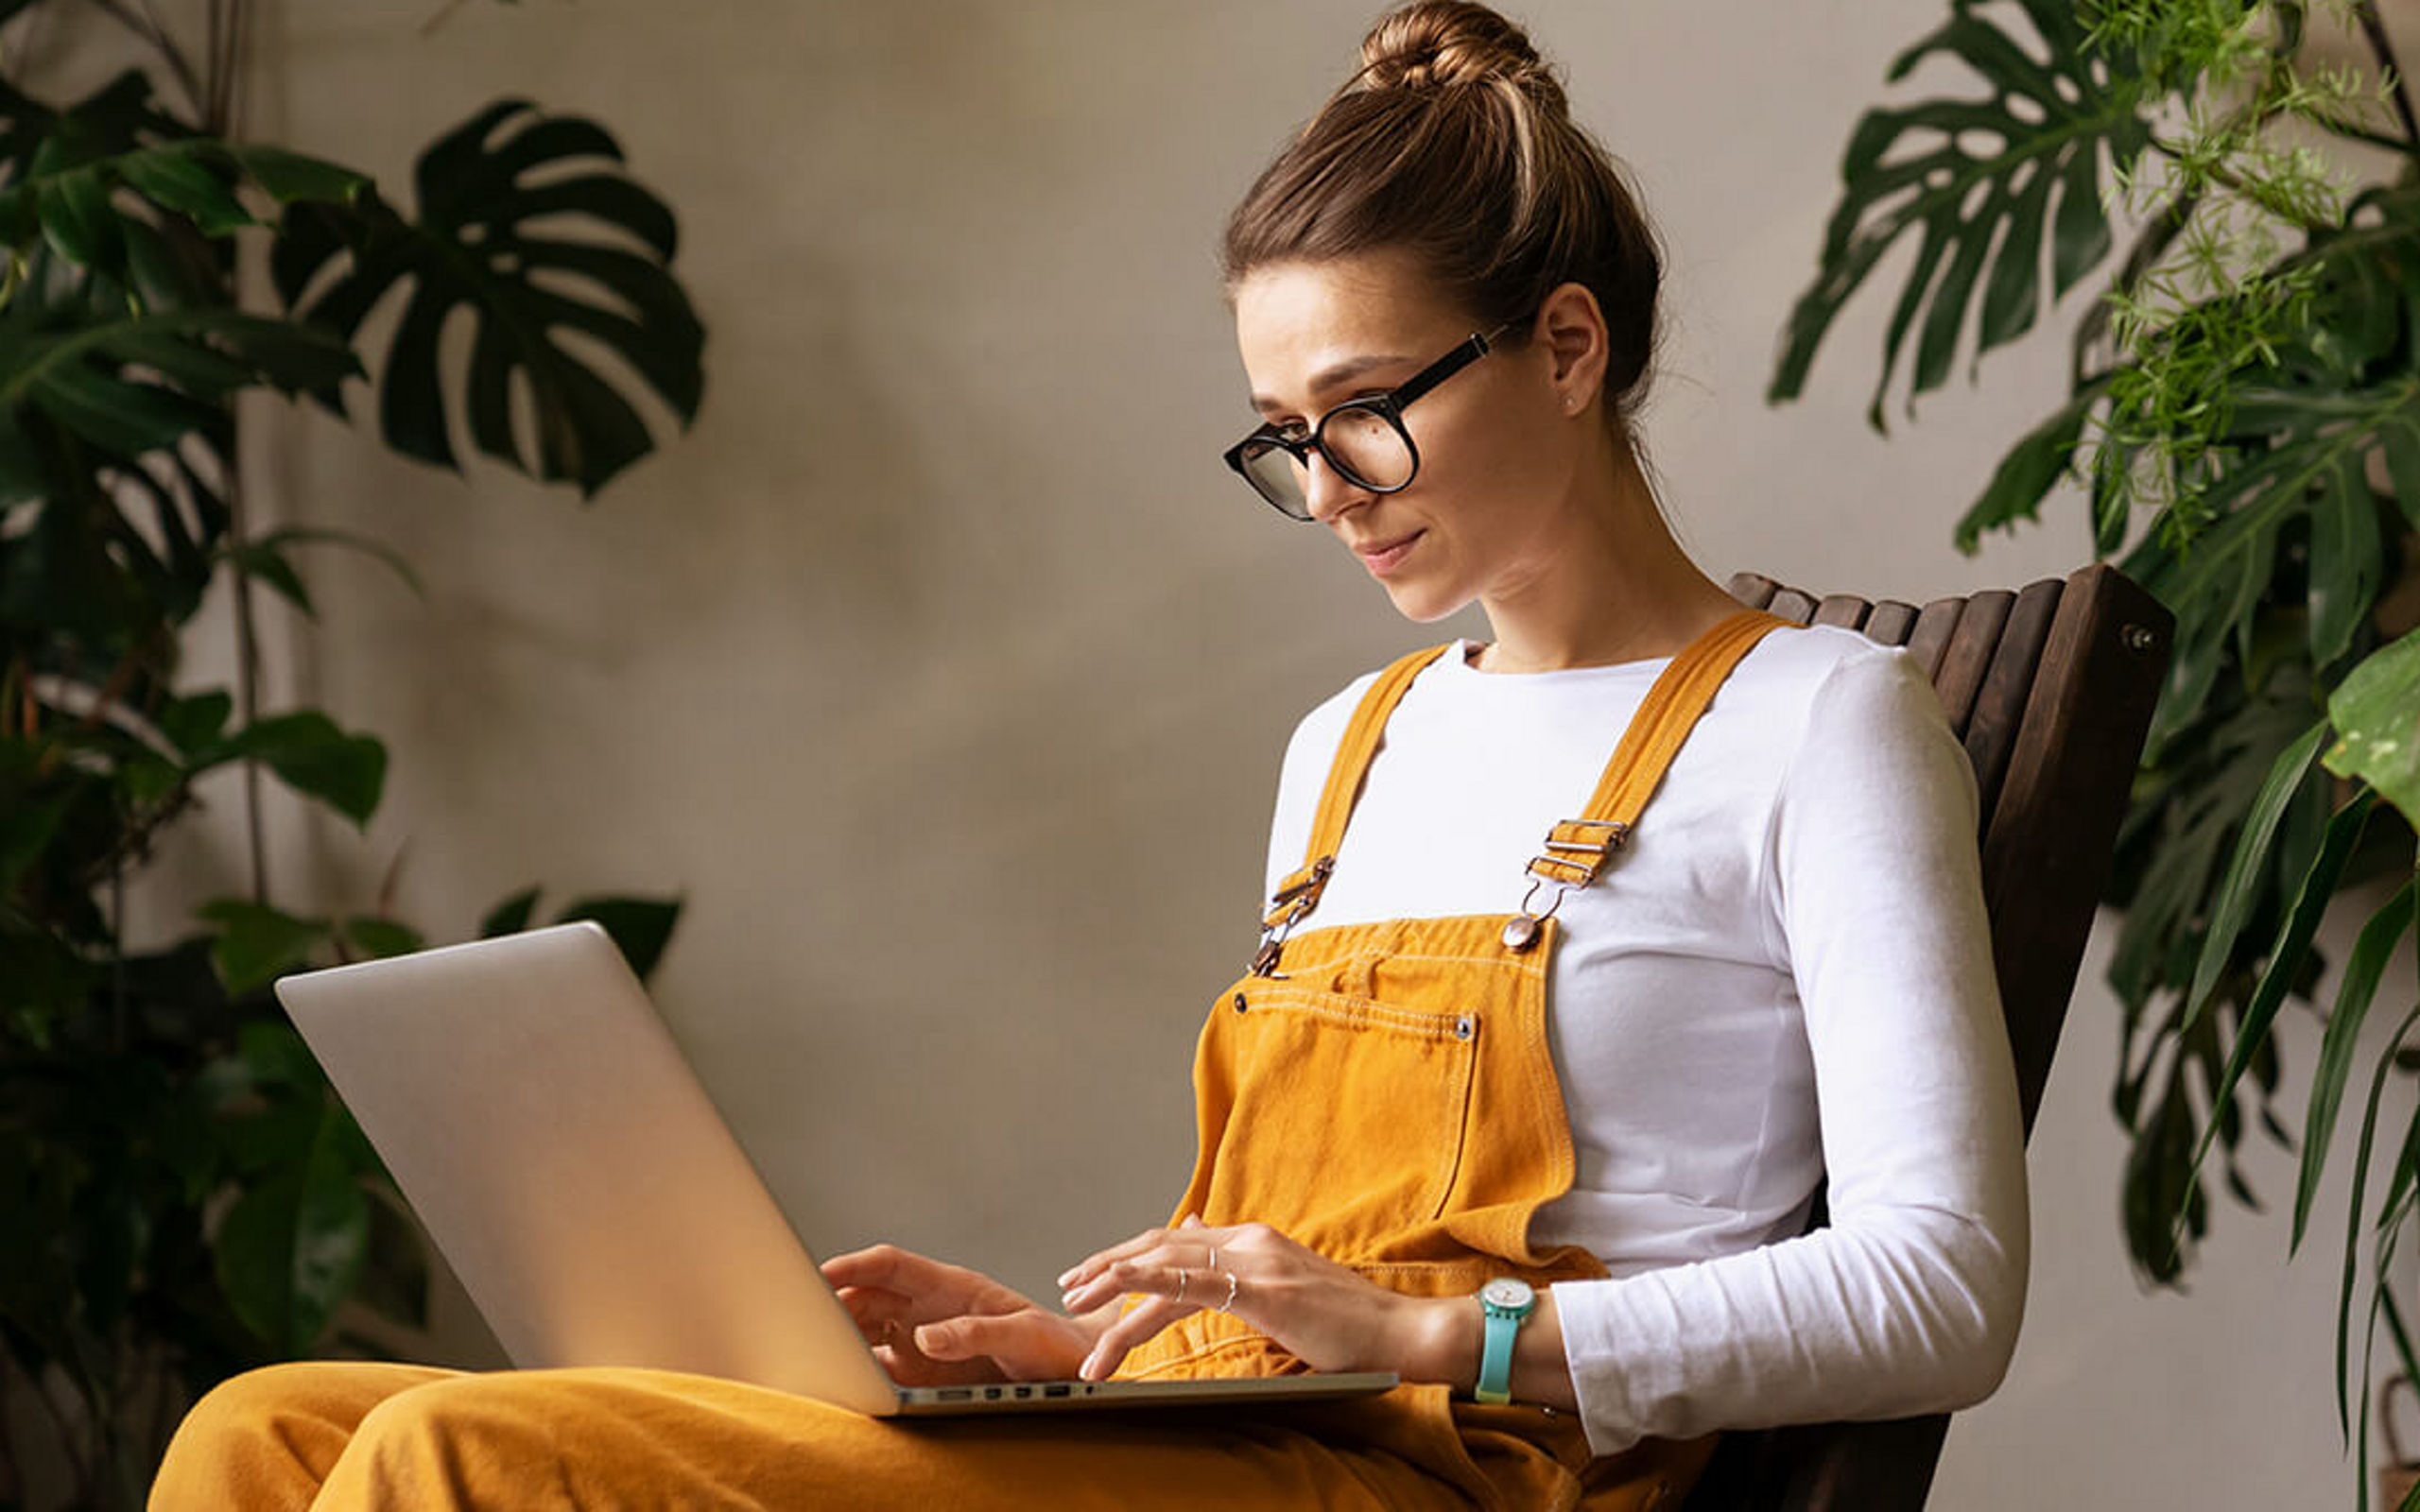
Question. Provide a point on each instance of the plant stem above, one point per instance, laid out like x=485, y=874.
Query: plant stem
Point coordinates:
x=147, y=25
x=213, y=22
x=2362, y=133
x=12, y=1490
x=2157, y=234
x=227, y=29
x=437, y=17
x=230, y=37
x=248, y=698
x=117, y=957
x=79, y=1464
x=2373, y=29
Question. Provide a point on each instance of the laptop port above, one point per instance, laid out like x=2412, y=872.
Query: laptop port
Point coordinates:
x=957, y=1394
x=990, y=1393
x=1061, y=1389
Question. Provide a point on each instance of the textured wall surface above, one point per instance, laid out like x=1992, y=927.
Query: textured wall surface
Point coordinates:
x=944, y=671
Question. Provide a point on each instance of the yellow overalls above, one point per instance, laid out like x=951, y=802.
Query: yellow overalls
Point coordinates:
x=1382, y=1092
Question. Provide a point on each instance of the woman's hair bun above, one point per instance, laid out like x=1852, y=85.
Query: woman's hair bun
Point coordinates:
x=1436, y=44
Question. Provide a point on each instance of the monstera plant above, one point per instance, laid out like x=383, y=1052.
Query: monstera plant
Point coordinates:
x=181, y=1194
x=2244, y=418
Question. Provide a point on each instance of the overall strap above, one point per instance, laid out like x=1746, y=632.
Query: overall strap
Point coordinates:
x=1300, y=892
x=1576, y=848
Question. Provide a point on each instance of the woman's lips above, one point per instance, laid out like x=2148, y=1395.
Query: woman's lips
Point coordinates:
x=1384, y=559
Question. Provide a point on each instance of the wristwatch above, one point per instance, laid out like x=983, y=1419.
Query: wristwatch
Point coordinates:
x=1505, y=1300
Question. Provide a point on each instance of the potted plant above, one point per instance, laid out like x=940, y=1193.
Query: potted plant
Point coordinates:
x=181, y=1194
x=2244, y=415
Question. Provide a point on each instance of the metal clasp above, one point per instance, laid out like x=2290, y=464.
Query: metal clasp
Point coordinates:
x=1296, y=900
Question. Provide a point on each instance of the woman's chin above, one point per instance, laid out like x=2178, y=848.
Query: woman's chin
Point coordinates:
x=1421, y=604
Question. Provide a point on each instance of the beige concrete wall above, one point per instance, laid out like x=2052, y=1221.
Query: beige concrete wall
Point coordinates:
x=945, y=671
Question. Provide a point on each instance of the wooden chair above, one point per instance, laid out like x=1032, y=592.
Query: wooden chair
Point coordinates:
x=2052, y=688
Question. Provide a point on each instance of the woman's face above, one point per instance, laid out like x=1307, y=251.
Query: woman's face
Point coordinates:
x=1498, y=446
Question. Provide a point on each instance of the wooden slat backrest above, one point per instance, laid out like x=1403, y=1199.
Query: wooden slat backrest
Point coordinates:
x=2050, y=688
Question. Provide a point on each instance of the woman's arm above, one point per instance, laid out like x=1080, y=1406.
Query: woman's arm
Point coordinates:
x=1909, y=1300
x=1326, y=1315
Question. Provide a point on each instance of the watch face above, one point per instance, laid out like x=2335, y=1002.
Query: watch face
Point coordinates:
x=1506, y=1291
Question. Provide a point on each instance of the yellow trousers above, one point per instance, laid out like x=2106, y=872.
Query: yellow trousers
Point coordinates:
x=393, y=1438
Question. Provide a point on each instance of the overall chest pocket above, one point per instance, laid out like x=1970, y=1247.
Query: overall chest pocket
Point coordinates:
x=1346, y=1116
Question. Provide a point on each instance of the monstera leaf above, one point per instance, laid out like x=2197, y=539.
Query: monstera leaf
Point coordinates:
x=1913, y=170
x=488, y=193
x=129, y=385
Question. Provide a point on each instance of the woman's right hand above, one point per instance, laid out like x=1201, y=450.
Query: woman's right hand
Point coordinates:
x=934, y=1324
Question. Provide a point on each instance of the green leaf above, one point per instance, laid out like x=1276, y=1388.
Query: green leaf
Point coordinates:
x=510, y=917
x=2376, y=714
x=256, y=944
x=75, y=377
x=473, y=247
x=273, y=1054
x=26, y=829
x=1912, y=171
x=2030, y=469
x=179, y=176
x=192, y=177
x=290, y=1248
x=2346, y=561
x=309, y=535
x=262, y=562
x=312, y=756
x=76, y=220
x=2354, y=994
x=2234, y=897
x=640, y=926
x=193, y=721
x=377, y=938
x=291, y=176
x=2285, y=957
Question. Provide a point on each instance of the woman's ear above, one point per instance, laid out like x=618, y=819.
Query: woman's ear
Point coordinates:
x=1571, y=326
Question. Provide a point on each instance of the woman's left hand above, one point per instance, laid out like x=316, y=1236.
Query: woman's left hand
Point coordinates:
x=1325, y=1315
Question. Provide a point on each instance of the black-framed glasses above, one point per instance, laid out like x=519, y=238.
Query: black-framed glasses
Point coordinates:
x=1363, y=439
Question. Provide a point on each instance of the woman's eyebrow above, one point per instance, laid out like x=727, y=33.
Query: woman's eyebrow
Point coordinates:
x=1330, y=377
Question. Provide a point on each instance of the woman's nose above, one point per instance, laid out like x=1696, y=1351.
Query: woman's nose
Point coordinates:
x=1327, y=492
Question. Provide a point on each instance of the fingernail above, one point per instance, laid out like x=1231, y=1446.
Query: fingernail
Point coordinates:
x=1068, y=1301
x=1068, y=1274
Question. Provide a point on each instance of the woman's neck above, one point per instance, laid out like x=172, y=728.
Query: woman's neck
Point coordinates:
x=1615, y=588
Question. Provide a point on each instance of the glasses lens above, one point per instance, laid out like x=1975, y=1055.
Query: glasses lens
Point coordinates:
x=1281, y=479
x=1366, y=445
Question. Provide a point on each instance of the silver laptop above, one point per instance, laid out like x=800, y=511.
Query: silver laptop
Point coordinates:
x=537, y=1114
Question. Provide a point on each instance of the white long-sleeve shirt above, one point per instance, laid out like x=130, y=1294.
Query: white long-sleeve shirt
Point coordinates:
x=1786, y=975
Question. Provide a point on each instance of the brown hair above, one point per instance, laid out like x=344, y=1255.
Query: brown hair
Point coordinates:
x=1454, y=142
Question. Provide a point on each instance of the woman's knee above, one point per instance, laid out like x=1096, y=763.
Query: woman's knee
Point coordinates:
x=267, y=1437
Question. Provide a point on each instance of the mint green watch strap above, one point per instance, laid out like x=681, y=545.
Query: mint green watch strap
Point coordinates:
x=1507, y=1303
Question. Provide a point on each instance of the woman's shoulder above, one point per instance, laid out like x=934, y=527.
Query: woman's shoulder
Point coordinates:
x=1323, y=727
x=1822, y=673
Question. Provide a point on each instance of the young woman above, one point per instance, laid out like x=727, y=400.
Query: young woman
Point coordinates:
x=1537, y=1126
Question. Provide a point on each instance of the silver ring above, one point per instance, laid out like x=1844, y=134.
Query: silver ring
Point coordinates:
x=1181, y=1280
x=1214, y=1258
x=1231, y=1293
